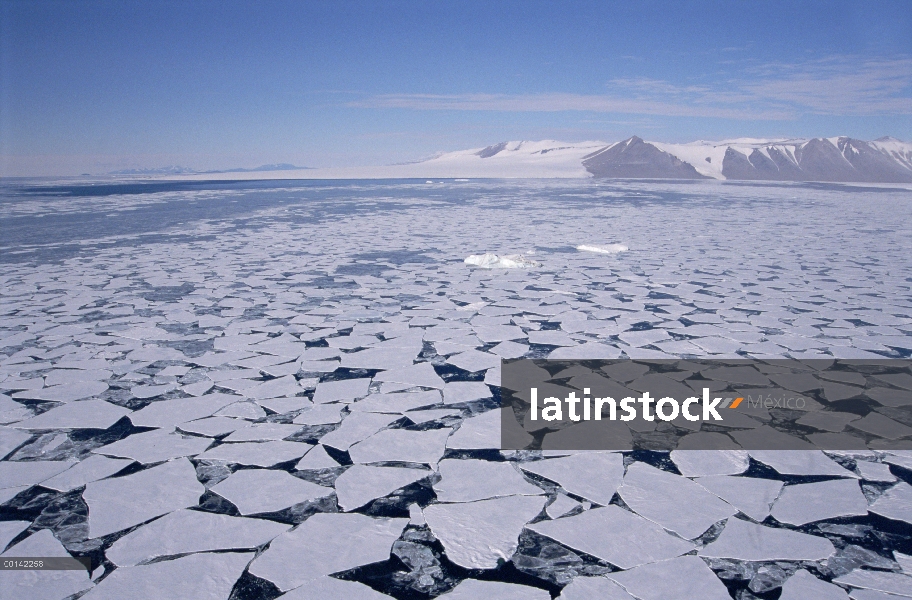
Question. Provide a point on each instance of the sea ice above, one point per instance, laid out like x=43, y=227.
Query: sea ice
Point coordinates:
x=212, y=426
x=808, y=502
x=804, y=586
x=9, y=530
x=751, y=495
x=155, y=446
x=396, y=402
x=470, y=589
x=595, y=476
x=593, y=588
x=742, y=540
x=473, y=360
x=256, y=491
x=187, y=531
x=603, y=249
x=25, y=473
x=151, y=391
x=196, y=576
x=346, y=390
x=423, y=415
x=904, y=560
x=674, y=502
x=121, y=502
x=65, y=393
x=881, y=426
x=262, y=432
x=457, y=392
x=402, y=445
x=561, y=506
x=11, y=412
x=68, y=376
x=682, y=578
x=41, y=583
x=167, y=413
x=330, y=587
x=468, y=480
x=421, y=374
x=360, y=484
x=700, y=463
x=476, y=535
x=615, y=535
x=85, y=414
x=89, y=469
x=382, y=356
x=356, y=427
x=319, y=415
x=317, y=458
x=258, y=454
x=800, y=462
x=828, y=420
x=493, y=261
x=326, y=543
x=881, y=581
x=10, y=439
x=873, y=471
x=895, y=503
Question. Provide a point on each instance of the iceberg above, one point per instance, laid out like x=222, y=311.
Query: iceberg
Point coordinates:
x=494, y=261
x=605, y=249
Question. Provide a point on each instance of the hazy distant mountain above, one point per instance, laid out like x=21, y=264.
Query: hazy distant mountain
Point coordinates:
x=276, y=167
x=188, y=171
x=885, y=160
x=172, y=170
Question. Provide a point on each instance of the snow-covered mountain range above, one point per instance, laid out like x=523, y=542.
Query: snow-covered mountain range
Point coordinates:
x=886, y=160
x=843, y=159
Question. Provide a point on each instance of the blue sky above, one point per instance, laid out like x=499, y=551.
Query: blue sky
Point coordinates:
x=97, y=86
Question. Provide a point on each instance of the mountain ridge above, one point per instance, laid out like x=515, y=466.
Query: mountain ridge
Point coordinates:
x=834, y=159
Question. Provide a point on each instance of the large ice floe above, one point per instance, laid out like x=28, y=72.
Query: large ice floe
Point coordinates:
x=494, y=261
x=295, y=395
x=603, y=248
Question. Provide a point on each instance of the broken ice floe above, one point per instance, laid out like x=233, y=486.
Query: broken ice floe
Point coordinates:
x=603, y=249
x=477, y=535
x=175, y=578
x=747, y=541
x=360, y=484
x=301, y=333
x=494, y=261
x=256, y=491
x=186, y=531
x=596, y=532
x=470, y=480
x=115, y=504
x=321, y=545
x=680, y=578
x=657, y=494
x=41, y=583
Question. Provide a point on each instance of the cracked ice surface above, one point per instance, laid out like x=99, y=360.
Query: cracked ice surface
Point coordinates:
x=320, y=356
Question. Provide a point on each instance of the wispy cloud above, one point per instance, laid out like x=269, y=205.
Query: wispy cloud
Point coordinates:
x=845, y=86
x=837, y=85
x=557, y=102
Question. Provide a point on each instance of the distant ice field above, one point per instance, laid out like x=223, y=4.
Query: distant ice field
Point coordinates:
x=244, y=390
